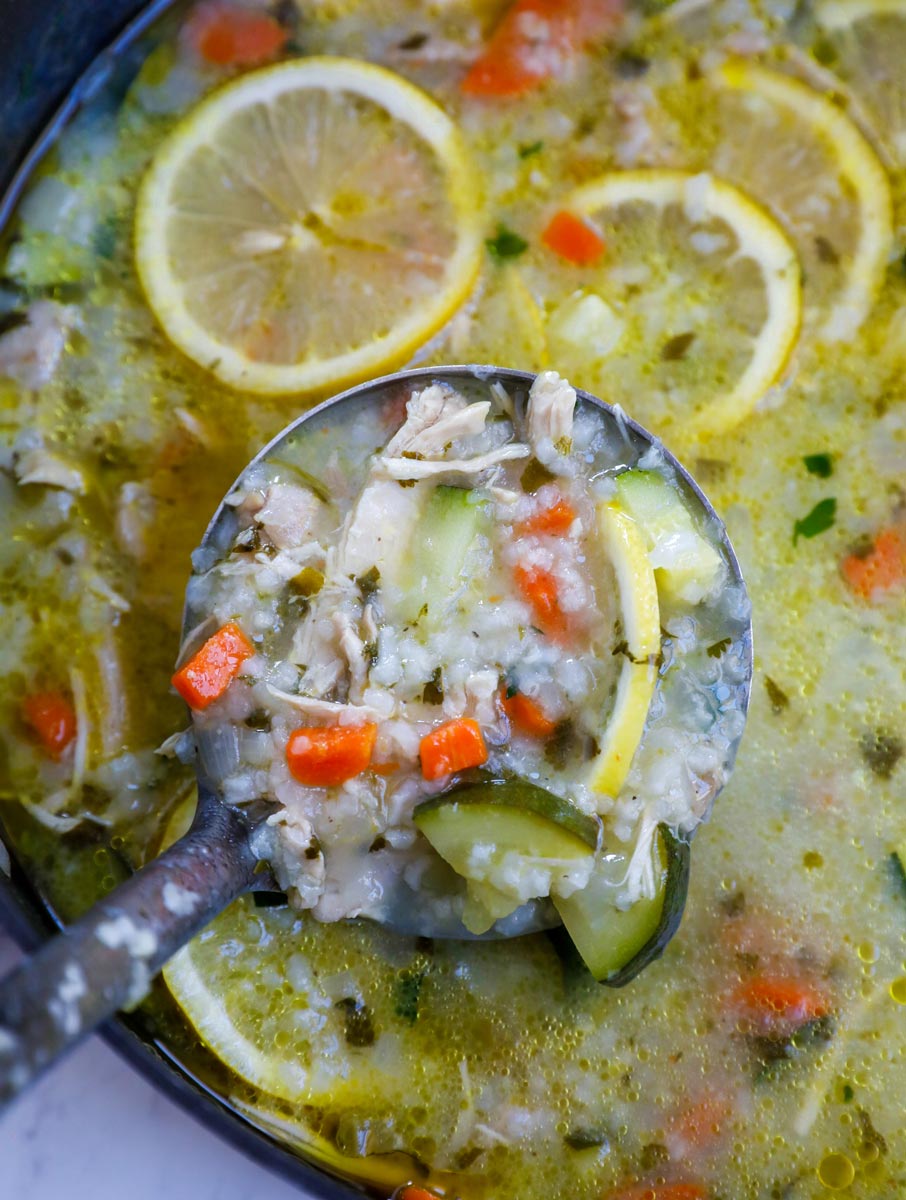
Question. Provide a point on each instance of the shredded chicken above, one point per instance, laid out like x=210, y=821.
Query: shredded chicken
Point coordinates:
x=287, y=514
x=551, y=406
x=353, y=650
x=347, y=714
x=30, y=353
x=37, y=465
x=416, y=468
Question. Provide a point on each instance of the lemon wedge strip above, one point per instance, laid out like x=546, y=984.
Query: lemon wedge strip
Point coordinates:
x=308, y=225
x=861, y=172
x=759, y=238
x=626, y=549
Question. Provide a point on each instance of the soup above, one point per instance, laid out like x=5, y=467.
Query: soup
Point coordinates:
x=689, y=210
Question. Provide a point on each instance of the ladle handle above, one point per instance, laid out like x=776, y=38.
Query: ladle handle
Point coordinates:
x=106, y=960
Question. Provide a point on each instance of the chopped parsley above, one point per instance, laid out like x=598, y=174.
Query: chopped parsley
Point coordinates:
x=528, y=149
x=677, y=348
x=777, y=696
x=506, y=244
x=408, y=992
x=882, y=752
x=821, y=465
x=357, y=1021
x=819, y=520
x=717, y=649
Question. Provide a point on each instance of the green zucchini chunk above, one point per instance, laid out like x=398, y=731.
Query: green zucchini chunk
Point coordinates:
x=616, y=944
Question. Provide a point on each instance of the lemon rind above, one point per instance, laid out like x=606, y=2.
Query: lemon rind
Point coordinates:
x=625, y=547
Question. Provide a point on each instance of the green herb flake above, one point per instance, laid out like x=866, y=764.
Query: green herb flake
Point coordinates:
x=358, y=1025
x=585, y=1138
x=821, y=465
x=716, y=650
x=433, y=692
x=819, y=520
x=506, y=244
x=368, y=582
x=881, y=751
x=408, y=992
x=535, y=476
x=676, y=348
x=529, y=149
x=776, y=695
x=848, y=1093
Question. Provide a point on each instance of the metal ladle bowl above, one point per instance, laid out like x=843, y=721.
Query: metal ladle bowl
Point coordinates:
x=106, y=959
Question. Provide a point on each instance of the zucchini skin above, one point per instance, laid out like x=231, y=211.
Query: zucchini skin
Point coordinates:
x=676, y=890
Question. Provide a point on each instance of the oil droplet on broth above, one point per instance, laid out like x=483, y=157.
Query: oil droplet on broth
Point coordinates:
x=836, y=1171
x=868, y=952
x=898, y=990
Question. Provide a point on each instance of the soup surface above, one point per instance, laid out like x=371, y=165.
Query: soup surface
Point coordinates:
x=692, y=210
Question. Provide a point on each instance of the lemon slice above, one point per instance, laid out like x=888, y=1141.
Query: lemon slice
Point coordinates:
x=798, y=152
x=263, y=1012
x=626, y=549
x=864, y=43
x=707, y=288
x=308, y=225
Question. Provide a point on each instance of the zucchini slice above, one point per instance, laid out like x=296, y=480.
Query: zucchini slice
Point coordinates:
x=616, y=944
x=687, y=566
x=496, y=833
x=432, y=568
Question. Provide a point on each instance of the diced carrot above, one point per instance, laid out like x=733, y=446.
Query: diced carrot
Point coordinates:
x=527, y=716
x=227, y=35
x=209, y=673
x=325, y=757
x=699, y=1124
x=777, y=1005
x=410, y=1192
x=882, y=569
x=573, y=238
x=451, y=747
x=555, y=520
x=537, y=40
x=52, y=718
x=540, y=589
x=659, y=1191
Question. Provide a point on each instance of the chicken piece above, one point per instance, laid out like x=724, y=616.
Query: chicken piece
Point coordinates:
x=436, y=416
x=30, y=353
x=136, y=511
x=287, y=514
x=287, y=841
x=37, y=465
x=353, y=650
x=442, y=469
x=551, y=405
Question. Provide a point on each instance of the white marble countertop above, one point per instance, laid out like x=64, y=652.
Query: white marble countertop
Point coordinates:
x=94, y=1128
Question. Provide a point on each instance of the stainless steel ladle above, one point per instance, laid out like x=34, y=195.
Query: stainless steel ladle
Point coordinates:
x=105, y=961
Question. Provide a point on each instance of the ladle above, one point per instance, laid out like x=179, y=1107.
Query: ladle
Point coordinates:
x=105, y=961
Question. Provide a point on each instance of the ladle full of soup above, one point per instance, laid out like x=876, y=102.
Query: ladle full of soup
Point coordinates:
x=483, y=676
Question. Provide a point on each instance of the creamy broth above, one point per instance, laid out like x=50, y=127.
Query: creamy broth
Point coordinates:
x=504, y=1070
